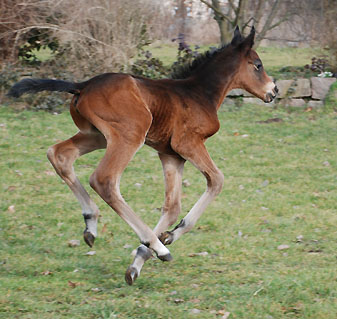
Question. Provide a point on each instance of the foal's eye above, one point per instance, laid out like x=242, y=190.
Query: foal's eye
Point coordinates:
x=258, y=66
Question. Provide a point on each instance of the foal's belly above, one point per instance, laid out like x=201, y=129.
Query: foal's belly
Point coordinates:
x=161, y=147
x=159, y=142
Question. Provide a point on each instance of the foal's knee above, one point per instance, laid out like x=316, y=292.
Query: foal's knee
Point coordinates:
x=215, y=183
x=54, y=158
x=60, y=162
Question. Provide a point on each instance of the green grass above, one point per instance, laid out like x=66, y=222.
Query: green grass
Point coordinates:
x=281, y=183
x=274, y=57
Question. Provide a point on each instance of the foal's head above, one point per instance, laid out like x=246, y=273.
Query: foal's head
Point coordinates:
x=252, y=76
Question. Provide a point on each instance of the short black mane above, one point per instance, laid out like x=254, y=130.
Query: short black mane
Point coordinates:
x=186, y=70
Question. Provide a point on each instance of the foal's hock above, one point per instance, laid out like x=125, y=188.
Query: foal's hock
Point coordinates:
x=121, y=112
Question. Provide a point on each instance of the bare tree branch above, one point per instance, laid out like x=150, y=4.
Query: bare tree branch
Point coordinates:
x=216, y=10
x=247, y=23
x=269, y=21
x=21, y=31
x=232, y=5
x=239, y=12
x=242, y=12
x=286, y=18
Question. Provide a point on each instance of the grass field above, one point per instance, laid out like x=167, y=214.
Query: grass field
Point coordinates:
x=280, y=189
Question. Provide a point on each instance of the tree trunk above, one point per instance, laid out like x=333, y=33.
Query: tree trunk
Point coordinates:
x=181, y=14
x=225, y=27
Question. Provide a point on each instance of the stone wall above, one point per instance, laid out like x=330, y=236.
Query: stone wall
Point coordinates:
x=295, y=93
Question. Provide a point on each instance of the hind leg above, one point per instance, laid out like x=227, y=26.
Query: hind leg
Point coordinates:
x=105, y=181
x=124, y=136
x=62, y=157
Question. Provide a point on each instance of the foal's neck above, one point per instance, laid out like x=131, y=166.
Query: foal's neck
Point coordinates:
x=216, y=78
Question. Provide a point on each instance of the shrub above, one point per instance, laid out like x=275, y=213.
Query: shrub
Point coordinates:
x=319, y=65
x=48, y=101
x=185, y=53
x=149, y=67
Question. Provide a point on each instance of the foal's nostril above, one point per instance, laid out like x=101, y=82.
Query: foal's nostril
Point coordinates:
x=269, y=98
x=276, y=89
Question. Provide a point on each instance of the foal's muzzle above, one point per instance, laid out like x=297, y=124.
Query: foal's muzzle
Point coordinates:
x=270, y=96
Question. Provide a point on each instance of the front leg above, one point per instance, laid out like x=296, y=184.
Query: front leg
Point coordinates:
x=173, y=167
x=200, y=158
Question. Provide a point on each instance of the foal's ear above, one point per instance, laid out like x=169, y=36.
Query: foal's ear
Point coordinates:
x=250, y=39
x=247, y=43
x=237, y=38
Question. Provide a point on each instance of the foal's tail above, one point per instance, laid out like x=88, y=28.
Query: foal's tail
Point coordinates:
x=38, y=85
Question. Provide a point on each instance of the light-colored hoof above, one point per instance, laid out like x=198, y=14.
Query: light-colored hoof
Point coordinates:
x=131, y=275
x=89, y=238
x=166, y=238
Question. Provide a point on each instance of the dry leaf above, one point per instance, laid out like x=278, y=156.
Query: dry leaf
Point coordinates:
x=96, y=289
x=11, y=209
x=73, y=284
x=196, y=300
x=46, y=273
x=73, y=243
x=50, y=173
x=204, y=253
x=104, y=228
x=195, y=311
x=186, y=183
x=272, y=120
x=299, y=238
x=257, y=291
x=282, y=247
x=18, y=172
x=223, y=313
x=226, y=315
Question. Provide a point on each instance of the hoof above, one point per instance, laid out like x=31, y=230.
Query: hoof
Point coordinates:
x=131, y=275
x=167, y=257
x=166, y=238
x=89, y=238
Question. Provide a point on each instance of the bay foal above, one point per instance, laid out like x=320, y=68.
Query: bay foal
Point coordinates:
x=121, y=112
